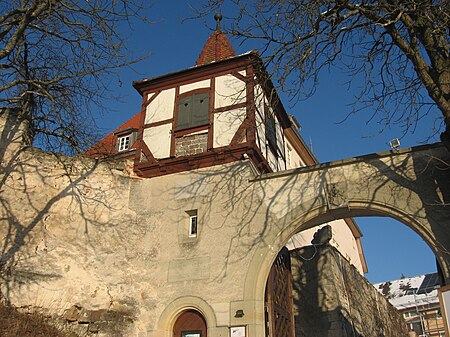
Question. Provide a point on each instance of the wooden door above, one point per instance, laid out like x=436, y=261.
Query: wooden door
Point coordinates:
x=279, y=316
x=190, y=324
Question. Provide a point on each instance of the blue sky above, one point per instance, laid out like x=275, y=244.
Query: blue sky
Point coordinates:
x=391, y=248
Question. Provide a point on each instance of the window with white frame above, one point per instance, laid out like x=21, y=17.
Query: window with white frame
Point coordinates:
x=193, y=225
x=123, y=143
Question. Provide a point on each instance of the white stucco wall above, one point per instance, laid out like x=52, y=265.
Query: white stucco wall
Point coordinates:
x=293, y=159
x=226, y=124
x=229, y=90
x=161, y=107
x=158, y=140
x=276, y=163
x=195, y=85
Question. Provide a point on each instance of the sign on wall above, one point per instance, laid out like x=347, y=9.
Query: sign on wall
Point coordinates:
x=237, y=331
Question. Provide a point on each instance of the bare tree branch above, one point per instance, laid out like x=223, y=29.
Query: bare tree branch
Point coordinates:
x=56, y=58
x=400, y=47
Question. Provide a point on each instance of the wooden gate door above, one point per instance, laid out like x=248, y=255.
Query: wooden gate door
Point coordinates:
x=190, y=324
x=279, y=317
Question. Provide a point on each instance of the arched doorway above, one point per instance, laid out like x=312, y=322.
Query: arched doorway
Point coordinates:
x=190, y=324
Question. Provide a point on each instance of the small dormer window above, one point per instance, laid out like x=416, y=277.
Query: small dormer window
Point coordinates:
x=124, y=143
x=125, y=139
x=410, y=291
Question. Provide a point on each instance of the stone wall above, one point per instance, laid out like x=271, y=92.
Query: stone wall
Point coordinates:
x=104, y=253
x=79, y=234
x=62, y=224
x=331, y=298
x=14, y=134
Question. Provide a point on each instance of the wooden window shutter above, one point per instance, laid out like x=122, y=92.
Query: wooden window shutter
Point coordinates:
x=193, y=111
x=185, y=112
x=116, y=147
x=200, y=109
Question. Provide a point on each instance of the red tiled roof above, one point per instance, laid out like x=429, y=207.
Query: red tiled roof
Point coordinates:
x=107, y=146
x=217, y=48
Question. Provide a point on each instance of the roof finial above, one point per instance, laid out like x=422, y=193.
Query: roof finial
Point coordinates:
x=218, y=18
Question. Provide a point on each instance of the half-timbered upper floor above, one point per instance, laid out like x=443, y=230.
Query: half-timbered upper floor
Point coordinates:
x=221, y=110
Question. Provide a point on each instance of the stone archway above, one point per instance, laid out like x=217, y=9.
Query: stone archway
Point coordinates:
x=265, y=255
x=412, y=186
x=191, y=307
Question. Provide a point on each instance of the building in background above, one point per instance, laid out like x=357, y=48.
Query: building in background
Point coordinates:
x=417, y=299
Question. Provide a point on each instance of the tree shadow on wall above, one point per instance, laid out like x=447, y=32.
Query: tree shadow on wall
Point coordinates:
x=332, y=299
x=35, y=186
x=425, y=176
x=234, y=200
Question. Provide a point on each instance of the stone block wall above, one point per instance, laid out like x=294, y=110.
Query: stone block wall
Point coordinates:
x=14, y=134
x=191, y=144
x=331, y=299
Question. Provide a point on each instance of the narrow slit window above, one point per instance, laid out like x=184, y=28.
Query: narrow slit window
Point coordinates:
x=193, y=226
x=271, y=130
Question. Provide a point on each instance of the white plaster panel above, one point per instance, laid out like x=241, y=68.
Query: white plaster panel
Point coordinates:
x=158, y=140
x=226, y=124
x=259, y=97
x=273, y=162
x=293, y=159
x=260, y=133
x=229, y=90
x=161, y=107
x=195, y=85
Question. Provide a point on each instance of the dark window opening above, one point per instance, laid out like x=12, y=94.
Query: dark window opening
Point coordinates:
x=271, y=132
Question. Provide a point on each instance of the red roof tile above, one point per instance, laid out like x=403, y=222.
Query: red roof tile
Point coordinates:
x=217, y=48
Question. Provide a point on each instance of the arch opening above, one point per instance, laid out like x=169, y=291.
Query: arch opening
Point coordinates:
x=265, y=255
x=404, y=269
x=316, y=218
